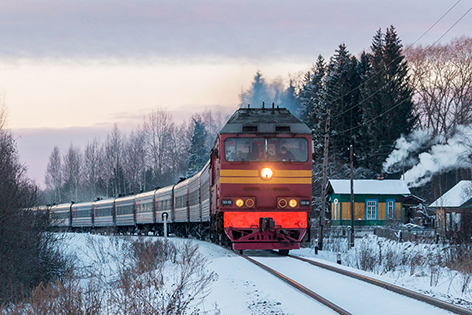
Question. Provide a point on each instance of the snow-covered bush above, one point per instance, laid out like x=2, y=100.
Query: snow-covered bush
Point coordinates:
x=119, y=275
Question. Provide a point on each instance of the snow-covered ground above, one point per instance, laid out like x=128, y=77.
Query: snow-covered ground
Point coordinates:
x=243, y=288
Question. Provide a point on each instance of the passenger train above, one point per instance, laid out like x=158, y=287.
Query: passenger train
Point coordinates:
x=253, y=193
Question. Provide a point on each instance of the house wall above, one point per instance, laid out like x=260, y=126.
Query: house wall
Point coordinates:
x=343, y=211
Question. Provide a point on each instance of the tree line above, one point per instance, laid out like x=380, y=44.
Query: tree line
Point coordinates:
x=153, y=155
x=377, y=97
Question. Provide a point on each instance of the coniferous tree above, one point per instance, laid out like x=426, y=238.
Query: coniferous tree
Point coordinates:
x=312, y=110
x=386, y=99
x=198, y=151
x=258, y=93
x=341, y=96
x=289, y=99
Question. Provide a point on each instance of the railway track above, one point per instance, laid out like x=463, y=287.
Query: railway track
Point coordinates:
x=394, y=296
x=300, y=287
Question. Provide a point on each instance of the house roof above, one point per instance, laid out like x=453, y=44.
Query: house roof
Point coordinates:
x=370, y=186
x=456, y=196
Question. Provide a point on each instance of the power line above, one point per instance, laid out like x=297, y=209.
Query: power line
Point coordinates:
x=406, y=49
x=373, y=94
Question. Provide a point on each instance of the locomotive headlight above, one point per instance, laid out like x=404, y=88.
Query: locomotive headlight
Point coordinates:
x=266, y=173
x=250, y=203
x=239, y=203
x=282, y=203
x=292, y=203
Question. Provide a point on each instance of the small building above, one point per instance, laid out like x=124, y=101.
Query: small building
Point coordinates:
x=376, y=201
x=454, y=212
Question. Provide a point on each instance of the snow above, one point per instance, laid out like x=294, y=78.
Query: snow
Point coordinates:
x=243, y=288
x=370, y=186
x=456, y=196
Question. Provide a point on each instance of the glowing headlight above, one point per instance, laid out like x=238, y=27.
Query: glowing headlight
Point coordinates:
x=239, y=203
x=292, y=203
x=266, y=173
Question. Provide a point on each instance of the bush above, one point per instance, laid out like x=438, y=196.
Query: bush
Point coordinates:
x=28, y=256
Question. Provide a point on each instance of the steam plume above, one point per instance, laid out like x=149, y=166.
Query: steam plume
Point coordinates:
x=454, y=154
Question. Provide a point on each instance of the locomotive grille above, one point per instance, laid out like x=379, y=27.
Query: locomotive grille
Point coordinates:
x=282, y=128
x=250, y=128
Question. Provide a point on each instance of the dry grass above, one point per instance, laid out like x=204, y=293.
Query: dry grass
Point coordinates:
x=158, y=278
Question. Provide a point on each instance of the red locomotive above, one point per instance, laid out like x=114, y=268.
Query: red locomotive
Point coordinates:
x=261, y=177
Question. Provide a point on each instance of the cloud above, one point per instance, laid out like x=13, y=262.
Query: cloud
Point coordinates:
x=185, y=29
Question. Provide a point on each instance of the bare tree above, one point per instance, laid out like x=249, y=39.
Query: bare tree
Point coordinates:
x=214, y=121
x=54, y=175
x=90, y=169
x=159, y=128
x=135, y=161
x=442, y=77
x=27, y=256
x=71, y=173
x=112, y=171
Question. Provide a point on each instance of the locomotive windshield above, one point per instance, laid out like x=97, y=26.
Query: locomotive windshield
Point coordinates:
x=266, y=149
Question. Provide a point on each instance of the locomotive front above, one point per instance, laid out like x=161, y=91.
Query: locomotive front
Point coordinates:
x=262, y=175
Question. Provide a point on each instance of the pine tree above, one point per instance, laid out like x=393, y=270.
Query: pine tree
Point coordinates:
x=258, y=93
x=311, y=108
x=341, y=96
x=198, y=152
x=289, y=99
x=386, y=99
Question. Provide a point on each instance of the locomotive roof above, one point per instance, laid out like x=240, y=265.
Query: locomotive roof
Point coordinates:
x=264, y=120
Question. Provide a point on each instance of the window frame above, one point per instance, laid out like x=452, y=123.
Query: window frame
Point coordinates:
x=265, y=141
x=376, y=210
x=390, y=214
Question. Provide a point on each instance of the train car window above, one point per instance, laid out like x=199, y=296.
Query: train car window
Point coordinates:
x=266, y=149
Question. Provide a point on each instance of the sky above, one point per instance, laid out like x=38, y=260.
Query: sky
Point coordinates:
x=69, y=70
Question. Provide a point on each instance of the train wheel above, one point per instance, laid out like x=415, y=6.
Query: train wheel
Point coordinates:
x=283, y=252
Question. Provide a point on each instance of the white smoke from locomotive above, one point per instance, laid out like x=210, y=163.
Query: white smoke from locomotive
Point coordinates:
x=441, y=157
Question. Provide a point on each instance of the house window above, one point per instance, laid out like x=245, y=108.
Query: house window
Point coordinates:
x=391, y=209
x=371, y=210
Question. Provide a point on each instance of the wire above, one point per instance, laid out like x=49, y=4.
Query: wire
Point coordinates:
x=406, y=49
x=385, y=112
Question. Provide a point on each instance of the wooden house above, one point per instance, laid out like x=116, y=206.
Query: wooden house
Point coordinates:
x=454, y=212
x=375, y=201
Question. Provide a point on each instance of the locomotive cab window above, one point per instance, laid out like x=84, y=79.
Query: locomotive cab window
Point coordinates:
x=266, y=149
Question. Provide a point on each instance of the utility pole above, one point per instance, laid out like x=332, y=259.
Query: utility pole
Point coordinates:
x=352, y=195
x=323, y=183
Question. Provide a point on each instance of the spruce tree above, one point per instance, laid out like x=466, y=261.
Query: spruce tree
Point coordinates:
x=198, y=152
x=311, y=111
x=386, y=99
x=341, y=96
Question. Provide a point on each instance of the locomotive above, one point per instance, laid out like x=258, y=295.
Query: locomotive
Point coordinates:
x=253, y=193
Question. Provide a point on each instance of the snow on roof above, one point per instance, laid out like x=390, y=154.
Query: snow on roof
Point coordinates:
x=370, y=186
x=456, y=196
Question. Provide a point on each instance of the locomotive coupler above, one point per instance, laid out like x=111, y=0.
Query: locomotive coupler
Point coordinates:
x=266, y=224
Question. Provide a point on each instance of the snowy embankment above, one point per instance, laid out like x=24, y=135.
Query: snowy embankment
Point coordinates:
x=242, y=288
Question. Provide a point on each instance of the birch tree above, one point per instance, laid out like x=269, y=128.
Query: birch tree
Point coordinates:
x=71, y=173
x=54, y=175
x=90, y=169
x=159, y=128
